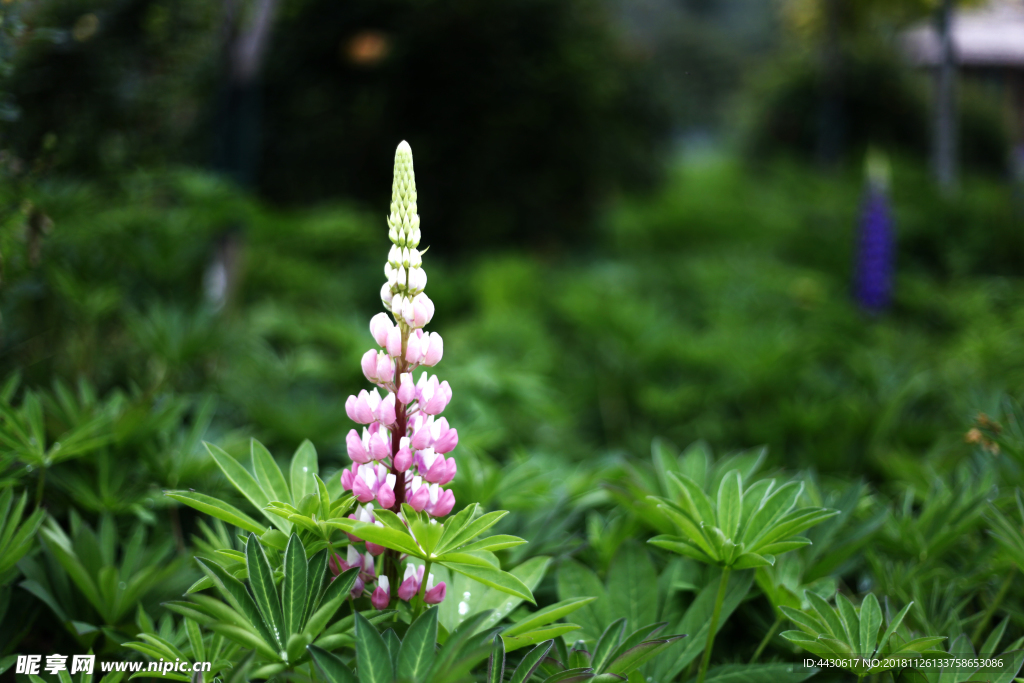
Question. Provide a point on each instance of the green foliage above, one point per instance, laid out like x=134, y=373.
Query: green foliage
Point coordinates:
x=745, y=528
x=17, y=535
x=854, y=633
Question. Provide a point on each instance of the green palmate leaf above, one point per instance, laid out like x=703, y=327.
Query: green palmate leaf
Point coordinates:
x=427, y=534
x=372, y=656
x=217, y=508
x=637, y=656
x=919, y=644
x=546, y=615
x=608, y=643
x=870, y=622
x=752, y=561
x=261, y=580
x=804, y=621
x=469, y=532
x=316, y=578
x=684, y=547
x=323, y=496
x=496, y=662
x=195, y=639
x=774, y=507
x=268, y=474
x=304, y=465
x=331, y=666
x=416, y=656
x=244, y=482
x=337, y=592
x=630, y=579
x=492, y=543
x=394, y=646
x=530, y=662
x=689, y=527
x=575, y=580
x=237, y=596
x=579, y=656
x=790, y=524
x=809, y=643
x=294, y=586
x=690, y=497
x=455, y=524
x=893, y=625
x=730, y=504
x=385, y=536
x=500, y=604
x=851, y=621
x=636, y=637
x=493, y=577
x=572, y=676
x=535, y=636
x=829, y=617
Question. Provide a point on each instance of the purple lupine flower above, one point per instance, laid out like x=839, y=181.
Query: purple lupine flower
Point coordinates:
x=874, y=265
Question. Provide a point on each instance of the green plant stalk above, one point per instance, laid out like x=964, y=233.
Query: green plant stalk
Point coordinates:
x=421, y=604
x=993, y=606
x=767, y=638
x=719, y=599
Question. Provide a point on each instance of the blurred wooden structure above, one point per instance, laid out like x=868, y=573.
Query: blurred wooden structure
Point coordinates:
x=988, y=43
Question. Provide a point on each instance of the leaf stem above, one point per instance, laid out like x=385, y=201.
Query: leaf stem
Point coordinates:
x=723, y=584
x=767, y=638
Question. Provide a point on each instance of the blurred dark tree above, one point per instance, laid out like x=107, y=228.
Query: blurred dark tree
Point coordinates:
x=524, y=114
x=118, y=82
x=884, y=103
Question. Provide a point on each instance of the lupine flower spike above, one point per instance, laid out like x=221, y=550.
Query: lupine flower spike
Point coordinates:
x=398, y=457
x=873, y=285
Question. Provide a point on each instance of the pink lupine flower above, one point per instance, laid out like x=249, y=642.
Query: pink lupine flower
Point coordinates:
x=410, y=582
x=372, y=446
x=366, y=573
x=368, y=482
x=424, y=348
x=394, y=342
x=444, y=504
x=378, y=367
x=406, y=389
x=417, y=494
x=430, y=433
x=433, y=397
x=404, y=458
x=435, y=595
x=356, y=448
x=399, y=457
x=368, y=407
x=434, y=468
x=382, y=595
x=417, y=311
x=380, y=326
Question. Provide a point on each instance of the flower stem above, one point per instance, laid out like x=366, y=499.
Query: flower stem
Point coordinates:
x=422, y=602
x=723, y=584
x=767, y=638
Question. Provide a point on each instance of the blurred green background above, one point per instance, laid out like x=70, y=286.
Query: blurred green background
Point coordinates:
x=634, y=230
x=642, y=218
